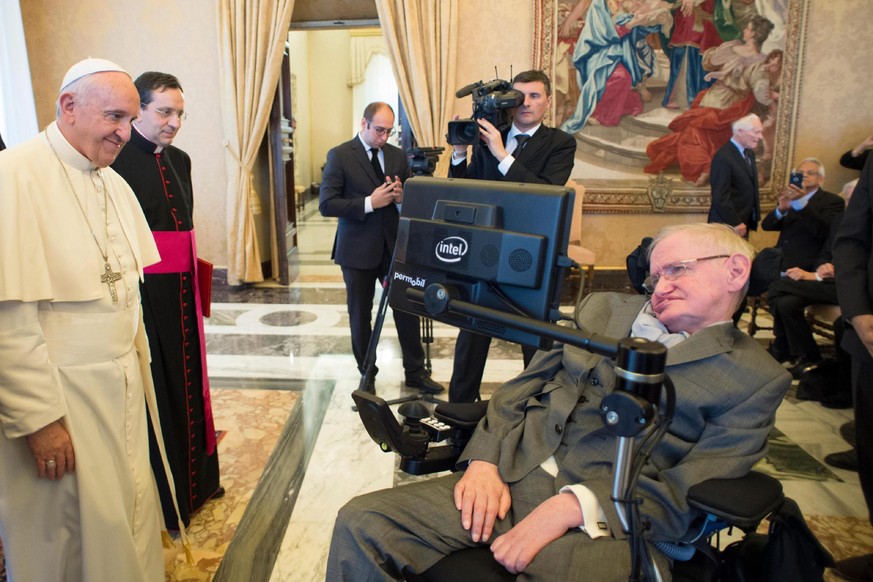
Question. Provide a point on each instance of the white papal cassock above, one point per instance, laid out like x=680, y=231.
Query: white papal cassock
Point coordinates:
x=68, y=351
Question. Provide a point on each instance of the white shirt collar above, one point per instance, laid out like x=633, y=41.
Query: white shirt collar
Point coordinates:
x=514, y=131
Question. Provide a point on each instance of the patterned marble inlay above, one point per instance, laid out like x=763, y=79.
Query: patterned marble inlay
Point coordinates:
x=252, y=421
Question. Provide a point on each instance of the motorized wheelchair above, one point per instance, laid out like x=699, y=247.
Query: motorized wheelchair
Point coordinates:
x=430, y=443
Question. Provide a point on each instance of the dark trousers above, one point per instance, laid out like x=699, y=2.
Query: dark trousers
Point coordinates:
x=787, y=300
x=862, y=386
x=471, y=352
x=360, y=290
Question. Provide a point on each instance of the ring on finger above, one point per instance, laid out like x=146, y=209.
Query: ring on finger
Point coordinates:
x=50, y=464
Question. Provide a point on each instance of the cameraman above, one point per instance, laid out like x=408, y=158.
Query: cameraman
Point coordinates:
x=528, y=152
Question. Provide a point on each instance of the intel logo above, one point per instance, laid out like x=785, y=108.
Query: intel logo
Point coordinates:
x=451, y=249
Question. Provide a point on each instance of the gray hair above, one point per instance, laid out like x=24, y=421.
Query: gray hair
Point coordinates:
x=78, y=88
x=821, y=168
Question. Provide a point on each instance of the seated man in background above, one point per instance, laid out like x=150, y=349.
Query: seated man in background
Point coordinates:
x=788, y=297
x=803, y=217
x=538, y=476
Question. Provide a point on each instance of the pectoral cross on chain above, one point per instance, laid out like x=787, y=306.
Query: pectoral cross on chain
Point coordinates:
x=110, y=277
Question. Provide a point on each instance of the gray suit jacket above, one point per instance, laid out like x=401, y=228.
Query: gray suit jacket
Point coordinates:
x=348, y=178
x=727, y=392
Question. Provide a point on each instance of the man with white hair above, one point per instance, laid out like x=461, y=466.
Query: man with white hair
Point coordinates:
x=804, y=217
x=537, y=484
x=733, y=177
x=77, y=496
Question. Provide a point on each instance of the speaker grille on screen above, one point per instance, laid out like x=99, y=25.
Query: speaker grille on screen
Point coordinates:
x=520, y=260
x=491, y=327
x=489, y=255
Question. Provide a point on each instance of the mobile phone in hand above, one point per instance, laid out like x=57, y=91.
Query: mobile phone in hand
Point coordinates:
x=796, y=179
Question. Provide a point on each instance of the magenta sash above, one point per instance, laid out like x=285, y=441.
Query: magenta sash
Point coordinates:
x=178, y=255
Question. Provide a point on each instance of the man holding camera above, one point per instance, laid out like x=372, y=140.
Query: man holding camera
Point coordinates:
x=362, y=185
x=529, y=152
x=803, y=217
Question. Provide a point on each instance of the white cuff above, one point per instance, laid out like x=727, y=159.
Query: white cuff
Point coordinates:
x=593, y=517
x=368, y=205
x=503, y=166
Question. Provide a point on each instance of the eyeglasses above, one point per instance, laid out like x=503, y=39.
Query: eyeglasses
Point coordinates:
x=674, y=271
x=168, y=112
x=387, y=131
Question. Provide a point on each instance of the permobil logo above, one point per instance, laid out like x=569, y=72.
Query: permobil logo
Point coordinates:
x=451, y=249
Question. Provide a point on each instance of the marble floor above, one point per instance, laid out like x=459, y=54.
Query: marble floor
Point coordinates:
x=293, y=451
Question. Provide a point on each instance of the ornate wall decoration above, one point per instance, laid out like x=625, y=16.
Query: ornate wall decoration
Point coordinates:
x=610, y=157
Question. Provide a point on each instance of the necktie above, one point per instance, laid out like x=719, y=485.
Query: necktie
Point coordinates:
x=520, y=140
x=748, y=155
x=374, y=161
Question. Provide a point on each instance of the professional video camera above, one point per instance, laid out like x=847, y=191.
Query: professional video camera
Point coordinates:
x=491, y=101
x=423, y=161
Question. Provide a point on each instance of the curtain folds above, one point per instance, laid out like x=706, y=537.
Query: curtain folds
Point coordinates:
x=422, y=37
x=252, y=35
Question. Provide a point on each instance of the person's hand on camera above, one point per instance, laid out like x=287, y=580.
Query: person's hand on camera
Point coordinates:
x=788, y=194
x=481, y=496
x=492, y=138
x=383, y=195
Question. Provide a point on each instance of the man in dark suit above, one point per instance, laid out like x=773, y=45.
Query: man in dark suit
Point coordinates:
x=528, y=152
x=803, y=217
x=733, y=178
x=853, y=262
x=538, y=486
x=362, y=185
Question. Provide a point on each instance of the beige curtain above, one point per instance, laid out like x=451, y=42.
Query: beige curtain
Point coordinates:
x=422, y=37
x=252, y=36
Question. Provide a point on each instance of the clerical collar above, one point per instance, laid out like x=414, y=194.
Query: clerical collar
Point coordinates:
x=145, y=143
x=66, y=151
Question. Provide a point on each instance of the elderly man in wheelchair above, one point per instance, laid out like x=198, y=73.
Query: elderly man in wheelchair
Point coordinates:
x=537, y=479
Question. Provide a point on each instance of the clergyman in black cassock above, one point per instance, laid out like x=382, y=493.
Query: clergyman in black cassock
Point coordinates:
x=160, y=176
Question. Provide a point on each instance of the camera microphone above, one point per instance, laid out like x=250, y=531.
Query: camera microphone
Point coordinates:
x=464, y=91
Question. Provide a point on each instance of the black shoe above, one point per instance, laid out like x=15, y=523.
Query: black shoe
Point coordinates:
x=802, y=366
x=859, y=568
x=837, y=401
x=422, y=381
x=847, y=431
x=847, y=460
